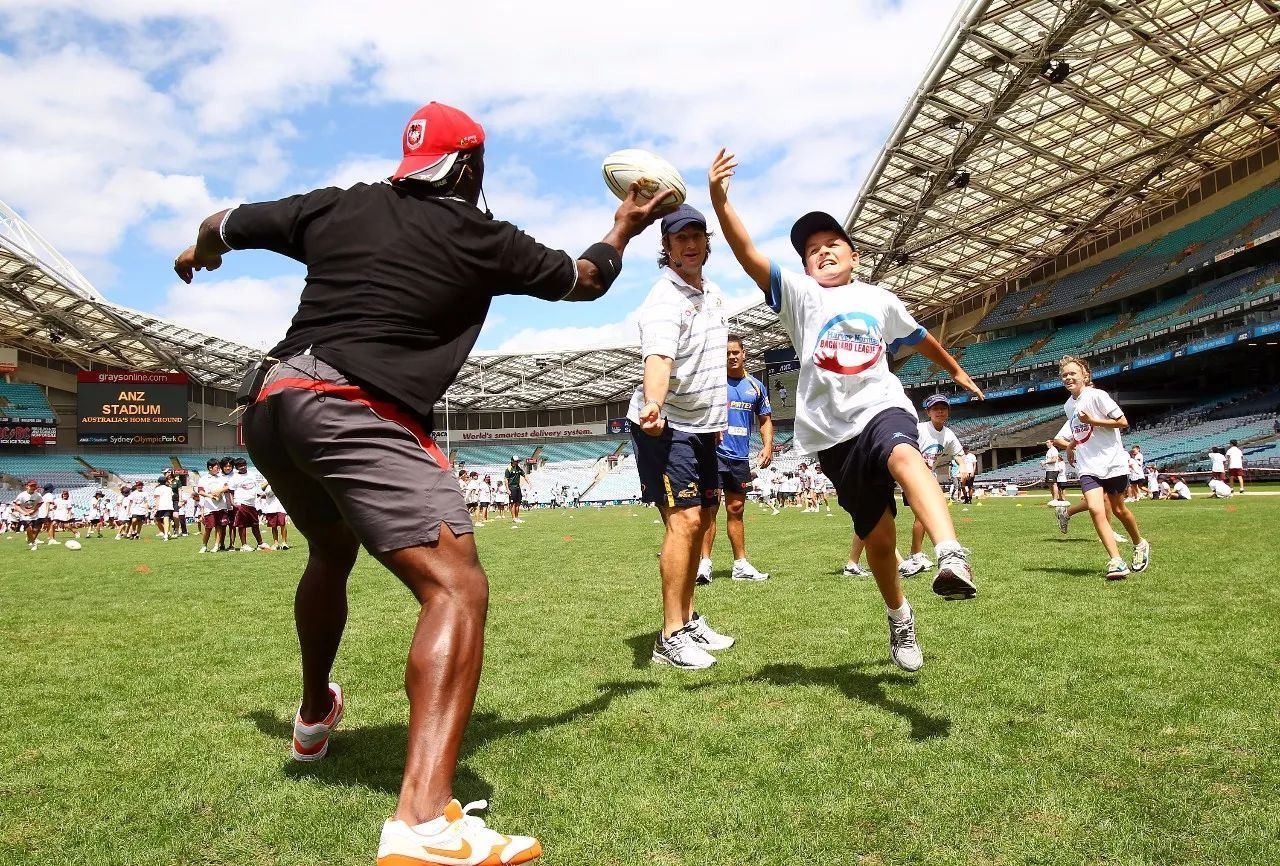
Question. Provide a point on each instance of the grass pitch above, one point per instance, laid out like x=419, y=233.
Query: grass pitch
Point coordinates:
x=146, y=695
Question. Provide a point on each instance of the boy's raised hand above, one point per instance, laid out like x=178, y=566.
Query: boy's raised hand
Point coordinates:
x=718, y=177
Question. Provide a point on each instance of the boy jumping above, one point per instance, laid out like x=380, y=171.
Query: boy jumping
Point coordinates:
x=850, y=410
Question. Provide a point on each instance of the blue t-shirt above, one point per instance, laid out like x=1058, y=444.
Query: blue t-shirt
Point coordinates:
x=747, y=399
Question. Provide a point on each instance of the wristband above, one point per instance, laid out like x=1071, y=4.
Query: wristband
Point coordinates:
x=608, y=262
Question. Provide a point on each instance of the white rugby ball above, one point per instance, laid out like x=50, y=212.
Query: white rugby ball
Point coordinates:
x=625, y=167
x=71, y=544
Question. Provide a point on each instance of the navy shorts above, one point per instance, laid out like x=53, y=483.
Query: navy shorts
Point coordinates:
x=1115, y=485
x=735, y=475
x=677, y=469
x=859, y=468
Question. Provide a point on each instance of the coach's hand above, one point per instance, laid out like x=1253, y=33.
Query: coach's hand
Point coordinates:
x=651, y=420
x=635, y=215
x=187, y=263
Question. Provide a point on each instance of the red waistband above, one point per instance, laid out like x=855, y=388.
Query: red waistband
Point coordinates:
x=384, y=409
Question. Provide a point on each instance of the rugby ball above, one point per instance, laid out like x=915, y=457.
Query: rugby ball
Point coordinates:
x=625, y=167
x=71, y=544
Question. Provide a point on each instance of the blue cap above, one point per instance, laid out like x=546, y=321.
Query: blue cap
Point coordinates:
x=935, y=399
x=682, y=216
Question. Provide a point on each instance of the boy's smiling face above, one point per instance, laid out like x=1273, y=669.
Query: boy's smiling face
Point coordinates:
x=829, y=259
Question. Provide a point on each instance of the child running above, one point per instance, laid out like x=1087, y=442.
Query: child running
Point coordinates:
x=1091, y=436
x=850, y=409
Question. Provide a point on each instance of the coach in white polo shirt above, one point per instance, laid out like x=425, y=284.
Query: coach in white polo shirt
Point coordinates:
x=676, y=413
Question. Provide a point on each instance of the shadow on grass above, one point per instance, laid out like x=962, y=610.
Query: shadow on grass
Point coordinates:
x=856, y=685
x=374, y=756
x=642, y=649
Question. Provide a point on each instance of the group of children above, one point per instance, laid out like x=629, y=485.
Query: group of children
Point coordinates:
x=805, y=487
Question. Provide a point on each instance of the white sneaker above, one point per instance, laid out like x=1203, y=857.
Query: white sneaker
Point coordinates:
x=743, y=570
x=265, y=546
x=954, y=580
x=456, y=838
x=707, y=637
x=202, y=550
x=704, y=573
x=776, y=511
x=1063, y=519
x=903, y=647
x=681, y=651
x=1117, y=569
x=34, y=546
x=1120, y=537
x=517, y=520
x=246, y=548
x=910, y=567
x=283, y=546
x=478, y=523
x=852, y=569
x=53, y=541
x=1141, y=555
x=923, y=560
x=311, y=741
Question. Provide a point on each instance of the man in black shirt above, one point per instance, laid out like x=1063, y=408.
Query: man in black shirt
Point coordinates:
x=400, y=276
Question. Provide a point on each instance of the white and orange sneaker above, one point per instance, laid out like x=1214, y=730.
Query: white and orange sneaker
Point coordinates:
x=456, y=838
x=311, y=741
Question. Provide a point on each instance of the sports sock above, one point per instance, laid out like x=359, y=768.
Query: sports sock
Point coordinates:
x=741, y=563
x=901, y=614
x=946, y=547
x=704, y=564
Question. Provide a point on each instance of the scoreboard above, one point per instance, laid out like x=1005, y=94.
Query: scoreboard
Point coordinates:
x=124, y=409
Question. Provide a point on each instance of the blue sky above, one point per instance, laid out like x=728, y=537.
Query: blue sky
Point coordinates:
x=127, y=122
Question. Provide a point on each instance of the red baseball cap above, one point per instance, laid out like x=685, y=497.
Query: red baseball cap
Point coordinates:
x=432, y=140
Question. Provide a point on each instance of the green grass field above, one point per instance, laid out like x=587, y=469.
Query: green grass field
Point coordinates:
x=146, y=695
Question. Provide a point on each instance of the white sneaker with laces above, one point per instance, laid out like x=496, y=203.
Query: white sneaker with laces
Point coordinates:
x=924, y=561
x=681, y=651
x=283, y=546
x=246, y=548
x=707, y=637
x=456, y=838
x=202, y=550
x=903, y=647
x=909, y=567
x=1064, y=519
x=1117, y=569
x=954, y=580
x=1120, y=537
x=853, y=569
x=743, y=570
x=1141, y=555
x=704, y=572
x=53, y=541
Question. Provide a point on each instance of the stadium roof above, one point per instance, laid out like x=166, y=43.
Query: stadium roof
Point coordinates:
x=48, y=308
x=1040, y=126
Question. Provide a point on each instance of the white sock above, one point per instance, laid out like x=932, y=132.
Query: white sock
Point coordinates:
x=901, y=614
x=940, y=550
x=741, y=563
x=704, y=564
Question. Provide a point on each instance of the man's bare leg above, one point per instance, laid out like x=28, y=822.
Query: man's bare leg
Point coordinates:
x=685, y=530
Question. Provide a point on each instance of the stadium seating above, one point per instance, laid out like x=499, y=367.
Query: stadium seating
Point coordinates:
x=1168, y=256
x=577, y=450
x=621, y=483
x=24, y=402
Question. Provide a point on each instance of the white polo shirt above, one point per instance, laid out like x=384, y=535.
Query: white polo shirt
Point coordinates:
x=688, y=326
x=1235, y=458
x=843, y=336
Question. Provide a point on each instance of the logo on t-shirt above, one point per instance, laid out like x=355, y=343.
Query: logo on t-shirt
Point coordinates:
x=930, y=453
x=1080, y=431
x=849, y=344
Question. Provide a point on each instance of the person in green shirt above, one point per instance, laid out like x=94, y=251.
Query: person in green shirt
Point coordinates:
x=511, y=478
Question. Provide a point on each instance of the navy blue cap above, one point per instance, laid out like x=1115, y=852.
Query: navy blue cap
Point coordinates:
x=682, y=216
x=935, y=399
x=817, y=221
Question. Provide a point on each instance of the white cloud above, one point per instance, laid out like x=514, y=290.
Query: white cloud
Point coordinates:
x=248, y=310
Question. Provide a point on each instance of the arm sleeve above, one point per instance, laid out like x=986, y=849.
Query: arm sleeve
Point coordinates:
x=526, y=267
x=1107, y=407
x=900, y=327
x=762, y=401
x=278, y=226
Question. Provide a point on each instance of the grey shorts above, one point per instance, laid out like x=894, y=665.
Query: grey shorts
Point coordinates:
x=334, y=452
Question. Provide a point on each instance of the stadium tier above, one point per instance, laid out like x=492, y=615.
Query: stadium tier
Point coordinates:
x=1165, y=258
x=24, y=402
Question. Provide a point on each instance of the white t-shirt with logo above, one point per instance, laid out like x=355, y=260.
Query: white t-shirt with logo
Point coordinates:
x=245, y=486
x=938, y=448
x=688, y=326
x=1099, y=451
x=1235, y=458
x=137, y=504
x=842, y=337
x=209, y=482
x=1219, y=461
